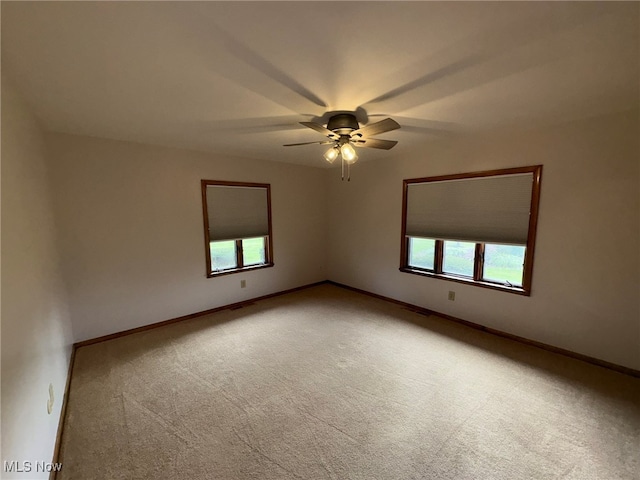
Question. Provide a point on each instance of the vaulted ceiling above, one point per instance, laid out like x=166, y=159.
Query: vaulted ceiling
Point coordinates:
x=237, y=77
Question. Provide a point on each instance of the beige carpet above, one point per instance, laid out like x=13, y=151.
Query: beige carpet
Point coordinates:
x=326, y=383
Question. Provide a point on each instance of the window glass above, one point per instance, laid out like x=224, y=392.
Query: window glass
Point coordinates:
x=422, y=252
x=504, y=263
x=459, y=258
x=223, y=255
x=253, y=251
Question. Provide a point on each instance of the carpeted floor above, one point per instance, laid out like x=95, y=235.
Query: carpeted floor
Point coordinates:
x=326, y=383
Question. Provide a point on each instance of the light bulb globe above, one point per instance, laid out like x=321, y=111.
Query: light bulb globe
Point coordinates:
x=331, y=154
x=348, y=153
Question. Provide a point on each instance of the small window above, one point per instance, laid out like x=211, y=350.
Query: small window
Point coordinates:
x=503, y=264
x=458, y=258
x=477, y=228
x=223, y=255
x=421, y=253
x=237, y=226
x=253, y=251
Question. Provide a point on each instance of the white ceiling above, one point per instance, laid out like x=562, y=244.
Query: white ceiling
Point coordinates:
x=236, y=77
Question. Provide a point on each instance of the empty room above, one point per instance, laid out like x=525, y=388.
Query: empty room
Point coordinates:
x=320, y=240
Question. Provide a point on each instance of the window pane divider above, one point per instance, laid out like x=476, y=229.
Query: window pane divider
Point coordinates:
x=439, y=258
x=239, y=254
x=478, y=263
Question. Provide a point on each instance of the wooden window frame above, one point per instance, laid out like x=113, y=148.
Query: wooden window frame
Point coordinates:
x=268, y=239
x=477, y=279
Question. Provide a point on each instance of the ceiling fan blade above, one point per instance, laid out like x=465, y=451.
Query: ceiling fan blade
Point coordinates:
x=319, y=128
x=375, y=143
x=382, y=126
x=307, y=143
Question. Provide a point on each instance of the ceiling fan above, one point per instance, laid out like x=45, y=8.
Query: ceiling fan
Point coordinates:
x=344, y=133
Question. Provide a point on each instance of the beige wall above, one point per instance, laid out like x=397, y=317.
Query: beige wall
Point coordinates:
x=132, y=233
x=36, y=329
x=586, y=279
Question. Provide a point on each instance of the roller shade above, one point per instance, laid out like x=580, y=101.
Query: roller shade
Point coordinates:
x=492, y=209
x=237, y=212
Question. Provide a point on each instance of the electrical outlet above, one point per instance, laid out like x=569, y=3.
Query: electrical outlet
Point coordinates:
x=452, y=295
x=243, y=283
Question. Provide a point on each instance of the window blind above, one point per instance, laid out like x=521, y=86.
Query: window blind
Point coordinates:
x=491, y=209
x=237, y=212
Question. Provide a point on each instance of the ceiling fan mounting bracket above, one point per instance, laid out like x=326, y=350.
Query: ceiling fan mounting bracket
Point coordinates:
x=343, y=123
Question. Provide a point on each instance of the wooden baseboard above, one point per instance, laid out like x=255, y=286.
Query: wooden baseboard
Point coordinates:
x=231, y=306
x=550, y=348
x=63, y=413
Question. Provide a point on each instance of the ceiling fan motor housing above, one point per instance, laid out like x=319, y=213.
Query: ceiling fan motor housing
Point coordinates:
x=343, y=124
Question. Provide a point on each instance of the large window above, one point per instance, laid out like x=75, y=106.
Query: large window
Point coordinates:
x=477, y=228
x=237, y=226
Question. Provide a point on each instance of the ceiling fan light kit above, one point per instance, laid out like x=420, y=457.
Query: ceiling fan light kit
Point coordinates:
x=348, y=152
x=331, y=154
x=344, y=134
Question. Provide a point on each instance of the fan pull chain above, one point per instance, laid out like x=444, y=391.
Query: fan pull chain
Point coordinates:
x=348, y=169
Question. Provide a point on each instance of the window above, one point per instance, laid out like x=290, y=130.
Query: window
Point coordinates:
x=237, y=226
x=477, y=228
